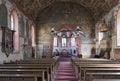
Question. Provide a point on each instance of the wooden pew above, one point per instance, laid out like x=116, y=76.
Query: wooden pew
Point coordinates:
x=81, y=67
x=89, y=60
x=26, y=72
x=92, y=62
x=105, y=75
x=87, y=71
x=87, y=63
x=41, y=63
x=22, y=76
x=30, y=66
x=76, y=64
x=51, y=61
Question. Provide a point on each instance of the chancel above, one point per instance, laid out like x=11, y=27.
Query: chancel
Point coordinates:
x=59, y=40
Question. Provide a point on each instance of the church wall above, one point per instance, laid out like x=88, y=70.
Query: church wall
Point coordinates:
x=21, y=54
x=110, y=22
x=59, y=15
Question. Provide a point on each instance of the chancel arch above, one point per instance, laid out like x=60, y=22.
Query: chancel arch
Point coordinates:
x=65, y=42
x=64, y=14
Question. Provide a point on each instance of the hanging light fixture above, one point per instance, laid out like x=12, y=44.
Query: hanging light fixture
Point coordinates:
x=70, y=33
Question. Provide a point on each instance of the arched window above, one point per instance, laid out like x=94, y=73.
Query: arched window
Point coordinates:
x=118, y=28
x=3, y=15
x=64, y=43
x=33, y=36
x=55, y=41
x=73, y=43
x=12, y=22
x=100, y=36
x=14, y=26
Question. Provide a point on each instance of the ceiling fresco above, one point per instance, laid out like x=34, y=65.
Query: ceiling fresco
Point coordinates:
x=96, y=7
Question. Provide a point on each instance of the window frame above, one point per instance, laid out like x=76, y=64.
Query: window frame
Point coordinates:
x=118, y=28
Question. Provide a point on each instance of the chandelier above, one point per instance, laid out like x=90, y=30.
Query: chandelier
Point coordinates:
x=65, y=33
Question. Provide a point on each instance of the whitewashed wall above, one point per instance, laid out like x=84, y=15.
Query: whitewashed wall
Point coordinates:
x=86, y=47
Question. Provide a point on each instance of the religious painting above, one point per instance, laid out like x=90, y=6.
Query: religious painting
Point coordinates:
x=7, y=41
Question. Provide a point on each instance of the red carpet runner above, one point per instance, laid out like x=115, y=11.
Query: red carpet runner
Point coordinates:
x=65, y=72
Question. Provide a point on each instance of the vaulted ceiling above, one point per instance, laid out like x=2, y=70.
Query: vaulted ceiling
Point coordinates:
x=97, y=8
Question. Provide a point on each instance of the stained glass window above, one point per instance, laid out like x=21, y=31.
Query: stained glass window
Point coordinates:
x=63, y=42
x=73, y=43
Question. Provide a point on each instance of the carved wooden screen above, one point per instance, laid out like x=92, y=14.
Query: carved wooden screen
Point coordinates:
x=7, y=40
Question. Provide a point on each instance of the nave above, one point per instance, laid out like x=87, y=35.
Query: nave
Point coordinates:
x=49, y=69
x=53, y=40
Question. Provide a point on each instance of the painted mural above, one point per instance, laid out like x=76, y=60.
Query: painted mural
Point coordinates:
x=3, y=15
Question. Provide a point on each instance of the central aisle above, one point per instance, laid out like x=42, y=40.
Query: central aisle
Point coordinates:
x=65, y=72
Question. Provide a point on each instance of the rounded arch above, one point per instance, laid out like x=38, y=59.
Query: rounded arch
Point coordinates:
x=3, y=15
x=15, y=26
x=15, y=17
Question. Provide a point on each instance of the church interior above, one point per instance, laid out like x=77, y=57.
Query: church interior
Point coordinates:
x=60, y=40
